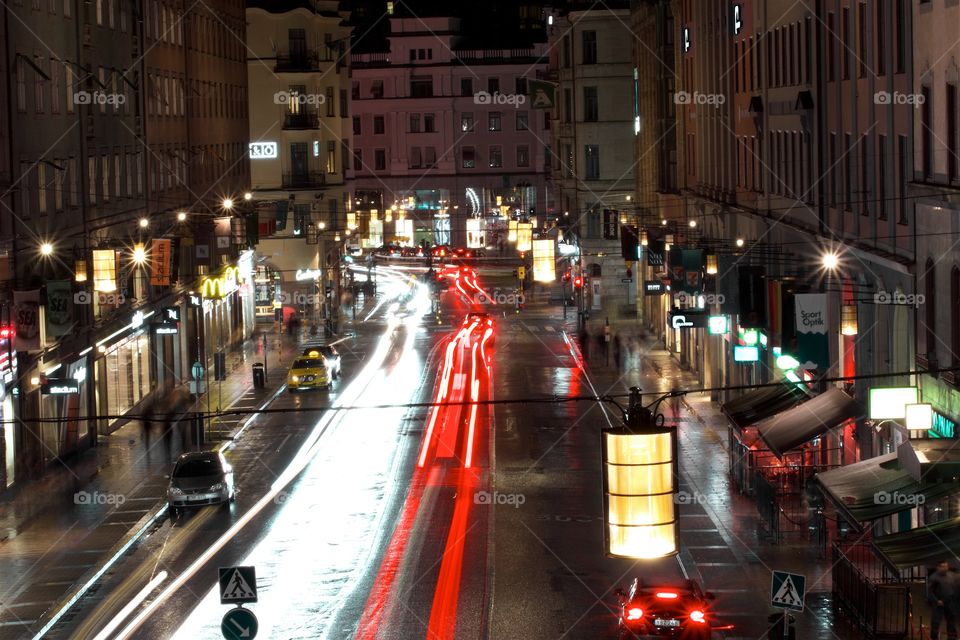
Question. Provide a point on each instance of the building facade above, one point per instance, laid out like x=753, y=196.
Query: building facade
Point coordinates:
x=300, y=134
x=935, y=194
x=127, y=142
x=446, y=136
x=594, y=166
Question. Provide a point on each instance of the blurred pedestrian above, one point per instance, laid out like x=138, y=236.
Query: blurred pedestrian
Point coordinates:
x=584, y=338
x=942, y=595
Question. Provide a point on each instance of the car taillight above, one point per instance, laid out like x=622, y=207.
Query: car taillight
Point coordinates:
x=667, y=595
x=697, y=616
x=634, y=613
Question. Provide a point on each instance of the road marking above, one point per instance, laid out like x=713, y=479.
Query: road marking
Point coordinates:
x=549, y=328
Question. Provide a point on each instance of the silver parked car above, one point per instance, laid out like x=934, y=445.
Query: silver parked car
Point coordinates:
x=199, y=479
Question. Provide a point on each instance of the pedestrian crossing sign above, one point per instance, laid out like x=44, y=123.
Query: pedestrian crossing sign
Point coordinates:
x=787, y=590
x=238, y=585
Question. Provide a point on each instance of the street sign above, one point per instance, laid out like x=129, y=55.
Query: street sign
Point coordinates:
x=238, y=585
x=197, y=371
x=239, y=624
x=626, y=280
x=787, y=590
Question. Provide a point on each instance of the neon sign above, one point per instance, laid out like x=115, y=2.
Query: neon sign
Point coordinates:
x=223, y=285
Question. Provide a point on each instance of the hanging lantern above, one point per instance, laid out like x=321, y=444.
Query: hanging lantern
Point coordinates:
x=644, y=239
x=712, y=264
x=80, y=270
x=848, y=320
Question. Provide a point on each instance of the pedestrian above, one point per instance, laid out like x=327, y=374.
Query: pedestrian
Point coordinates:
x=584, y=337
x=942, y=594
x=675, y=402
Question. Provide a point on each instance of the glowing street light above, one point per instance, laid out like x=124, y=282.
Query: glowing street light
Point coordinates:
x=181, y=216
x=739, y=242
x=830, y=261
x=693, y=224
x=228, y=203
x=139, y=254
x=248, y=196
x=46, y=249
x=144, y=223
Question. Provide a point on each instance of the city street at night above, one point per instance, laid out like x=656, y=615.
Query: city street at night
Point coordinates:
x=546, y=319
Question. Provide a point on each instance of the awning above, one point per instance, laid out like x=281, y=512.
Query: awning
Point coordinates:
x=878, y=487
x=923, y=546
x=754, y=406
x=814, y=417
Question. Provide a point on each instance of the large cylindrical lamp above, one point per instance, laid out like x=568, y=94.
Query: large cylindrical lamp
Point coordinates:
x=639, y=476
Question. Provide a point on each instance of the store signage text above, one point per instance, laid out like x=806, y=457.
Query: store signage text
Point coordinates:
x=307, y=274
x=165, y=328
x=59, y=387
x=263, y=150
x=221, y=286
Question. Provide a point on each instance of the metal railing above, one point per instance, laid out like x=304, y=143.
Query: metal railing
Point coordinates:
x=304, y=60
x=303, y=119
x=305, y=180
x=881, y=609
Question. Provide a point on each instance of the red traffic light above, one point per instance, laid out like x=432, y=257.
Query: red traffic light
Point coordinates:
x=578, y=282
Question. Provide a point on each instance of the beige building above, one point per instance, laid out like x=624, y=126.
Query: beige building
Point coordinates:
x=299, y=144
x=593, y=127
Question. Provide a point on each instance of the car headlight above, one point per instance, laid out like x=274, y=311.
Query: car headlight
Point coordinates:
x=295, y=378
x=216, y=487
x=176, y=491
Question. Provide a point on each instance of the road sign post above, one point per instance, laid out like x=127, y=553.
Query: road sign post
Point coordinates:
x=239, y=624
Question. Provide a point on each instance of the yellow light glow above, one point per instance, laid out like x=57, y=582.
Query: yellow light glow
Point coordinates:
x=139, y=254
x=848, y=320
x=104, y=270
x=512, y=231
x=218, y=287
x=544, y=263
x=228, y=203
x=46, y=249
x=80, y=270
x=639, y=473
x=919, y=417
x=144, y=223
x=181, y=216
x=524, y=236
x=712, y=264
x=890, y=403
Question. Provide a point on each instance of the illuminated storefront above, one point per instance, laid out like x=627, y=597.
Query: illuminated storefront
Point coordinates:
x=123, y=371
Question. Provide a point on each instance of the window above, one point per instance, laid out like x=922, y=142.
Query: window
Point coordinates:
x=567, y=106
x=493, y=85
x=590, y=104
x=428, y=123
x=926, y=134
x=25, y=193
x=376, y=89
x=416, y=158
x=331, y=104
x=834, y=186
x=355, y=90
x=880, y=64
x=421, y=87
x=92, y=179
x=901, y=61
x=566, y=51
x=357, y=129
x=881, y=153
x=55, y=86
x=862, y=38
x=567, y=160
x=845, y=43
x=466, y=86
x=466, y=122
x=496, y=156
x=521, y=88
x=38, y=84
x=593, y=223
x=864, y=177
x=105, y=177
x=378, y=128
x=430, y=157
x=903, y=152
x=41, y=188
x=343, y=103
x=99, y=13
x=848, y=172
x=523, y=155
x=591, y=154
x=523, y=122
x=331, y=156
x=379, y=159
x=469, y=158
x=832, y=44
x=589, y=47
x=117, y=173
x=58, y=180
x=414, y=123
x=953, y=144
x=930, y=309
x=357, y=160
x=493, y=121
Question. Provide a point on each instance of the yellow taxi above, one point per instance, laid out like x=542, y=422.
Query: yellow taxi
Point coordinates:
x=308, y=372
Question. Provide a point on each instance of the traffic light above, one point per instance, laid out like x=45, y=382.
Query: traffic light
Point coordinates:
x=578, y=282
x=566, y=276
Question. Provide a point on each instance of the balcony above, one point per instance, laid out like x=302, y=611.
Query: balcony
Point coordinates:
x=299, y=61
x=303, y=119
x=369, y=60
x=305, y=180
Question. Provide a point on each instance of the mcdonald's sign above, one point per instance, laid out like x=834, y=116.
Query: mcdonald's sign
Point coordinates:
x=222, y=285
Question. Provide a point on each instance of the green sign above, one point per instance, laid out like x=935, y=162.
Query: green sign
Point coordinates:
x=943, y=427
x=239, y=624
x=787, y=590
x=542, y=94
x=718, y=325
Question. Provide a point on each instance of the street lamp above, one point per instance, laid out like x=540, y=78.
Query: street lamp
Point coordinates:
x=228, y=203
x=181, y=216
x=248, y=196
x=830, y=261
x=46, y=249
x=144, y=223
x=139, y=254
x=740, y=242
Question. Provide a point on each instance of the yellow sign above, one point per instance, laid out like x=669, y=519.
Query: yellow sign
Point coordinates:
x=223, y=285
x=521, y=272
x=544, y=263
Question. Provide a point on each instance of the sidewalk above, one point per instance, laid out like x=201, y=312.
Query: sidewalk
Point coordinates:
x=84, y=510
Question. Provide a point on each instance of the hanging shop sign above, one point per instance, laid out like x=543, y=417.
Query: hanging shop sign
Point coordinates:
x=654, y=287
x=746, y=354
x=161, y=252
x=59, y=316
x=688, y=319
x=26, y=318
x=223, y=285
x=59, y=387
x=165, y=328
x=307, y=274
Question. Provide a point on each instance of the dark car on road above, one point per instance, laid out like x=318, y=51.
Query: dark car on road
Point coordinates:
x=200, y=478
x=680, y=610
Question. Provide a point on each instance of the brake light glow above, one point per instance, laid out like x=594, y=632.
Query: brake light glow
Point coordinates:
x=634, y=613
x=666, y=595
x=697, y=616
